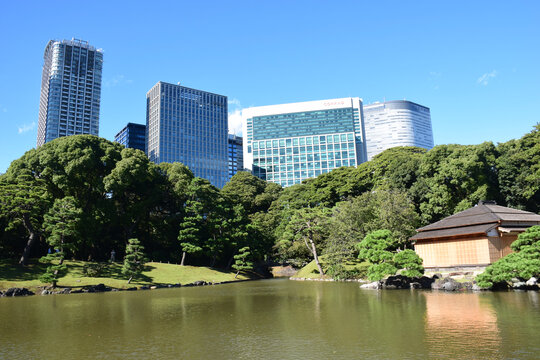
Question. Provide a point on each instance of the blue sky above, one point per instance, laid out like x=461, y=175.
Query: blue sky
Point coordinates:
x=475, y=64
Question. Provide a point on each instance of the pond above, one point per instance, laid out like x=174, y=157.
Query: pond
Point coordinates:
x=272, y=319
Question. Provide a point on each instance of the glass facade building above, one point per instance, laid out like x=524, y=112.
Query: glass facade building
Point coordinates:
x=188, y=126
x=288, y=143
x=236, y=155
x=132, y=136
x=396, y=123
x=70, y=90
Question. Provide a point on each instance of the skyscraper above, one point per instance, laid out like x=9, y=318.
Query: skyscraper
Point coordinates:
x=188, y=126
x=132, y=136
x=288, y=143
x=396, y=123
x=236, y=155
x=70, y=90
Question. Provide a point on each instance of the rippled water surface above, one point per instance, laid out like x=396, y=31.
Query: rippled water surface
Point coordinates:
x=272, y=319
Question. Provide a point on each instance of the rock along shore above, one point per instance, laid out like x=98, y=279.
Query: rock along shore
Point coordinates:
x=49, y=290
x=435, y=282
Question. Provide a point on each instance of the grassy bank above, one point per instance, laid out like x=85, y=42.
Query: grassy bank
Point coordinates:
x=13, y=275
x=310, y=271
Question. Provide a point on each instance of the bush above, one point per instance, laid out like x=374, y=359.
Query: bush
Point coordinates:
x=523, y=264
x=94, y=269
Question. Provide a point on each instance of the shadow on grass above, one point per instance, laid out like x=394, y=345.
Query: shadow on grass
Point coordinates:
x=112, y=271
x=10, y=270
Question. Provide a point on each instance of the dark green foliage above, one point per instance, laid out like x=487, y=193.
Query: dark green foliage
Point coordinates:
x=242, y=262
x=60, y=225
x=94, y=269
x=409, y=262
x=55, y=269
x=379, y=271
x=453, y=178
x=134, y=259
x=122, y=195
x=305, y=232
x=379, y=248
x=523, y=264
x=518, y=169
x=23, y=200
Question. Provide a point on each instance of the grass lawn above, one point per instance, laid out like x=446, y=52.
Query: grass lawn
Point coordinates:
x=13, y=275
x=310, y=271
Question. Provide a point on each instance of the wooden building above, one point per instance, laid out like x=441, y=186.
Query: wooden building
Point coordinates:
x=476, y=237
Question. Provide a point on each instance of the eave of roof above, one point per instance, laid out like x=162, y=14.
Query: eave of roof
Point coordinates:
x=482, y=214
x=480, y=229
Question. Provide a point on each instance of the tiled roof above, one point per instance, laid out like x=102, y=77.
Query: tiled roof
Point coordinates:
x=478, y=219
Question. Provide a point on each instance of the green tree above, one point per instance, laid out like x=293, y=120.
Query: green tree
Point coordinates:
x=201, y=196
x=251, y=192
x=380, y=249
x=23, y=200
x=523, y=264
x=453, y=178
x=133, y=187
x=134, y=259
x=380, y=209
x=518, y=169
x=61, y=225
x=241, y=261
x=76, y=166
x=409, y=262
x=308, y=226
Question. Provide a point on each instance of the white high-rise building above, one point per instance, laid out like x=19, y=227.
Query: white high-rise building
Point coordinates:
x=396, y=123
x=70, y=90
x=288, y=143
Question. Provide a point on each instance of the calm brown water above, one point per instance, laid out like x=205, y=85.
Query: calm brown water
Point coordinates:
x=272, y=319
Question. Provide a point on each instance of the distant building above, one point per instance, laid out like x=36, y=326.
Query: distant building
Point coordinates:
x=70, y=90
x=476, y=237
x=132, y=136
x=288, y=143
x=188, y=126
x=396, y=123
x=236, y=155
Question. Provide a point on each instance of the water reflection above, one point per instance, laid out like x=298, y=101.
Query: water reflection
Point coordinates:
x=270, y=320
x=458, y=323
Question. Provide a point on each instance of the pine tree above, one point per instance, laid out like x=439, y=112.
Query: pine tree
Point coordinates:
x=134, y=259
x=241, y=261
x=60, y=224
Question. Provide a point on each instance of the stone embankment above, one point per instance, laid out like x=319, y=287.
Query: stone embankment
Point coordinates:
x=435, y=282
x=49, y=290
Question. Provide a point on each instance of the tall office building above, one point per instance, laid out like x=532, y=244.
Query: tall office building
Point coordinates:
x=132, y=136
x=396, y=123
x=288, y=143
x=188, y=126
x=236, y=155
x=70, y=90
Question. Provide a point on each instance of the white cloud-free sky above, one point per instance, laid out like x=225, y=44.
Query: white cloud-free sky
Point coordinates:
x=474, y=64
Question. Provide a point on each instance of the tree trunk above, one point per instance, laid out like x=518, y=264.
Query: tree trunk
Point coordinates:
x=129, y=280
x=315, y=257
x=238, y=272
x=183, y=258
x=30, y=243
x=213, y=261
x=230, y=262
